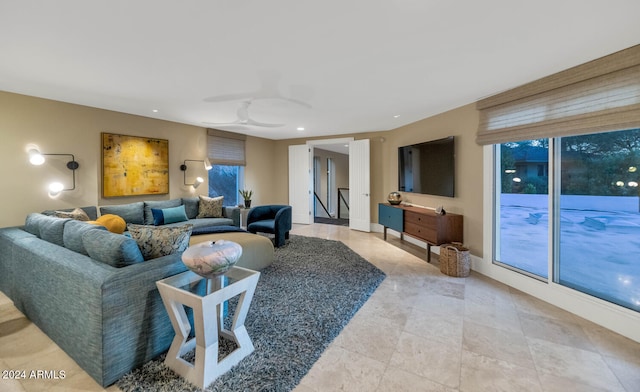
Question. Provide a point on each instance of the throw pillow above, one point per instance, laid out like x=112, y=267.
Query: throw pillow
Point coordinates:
x=113, y=223
x=77, y=214
x=210, y=207
x=159, y=205
x=160, y=241
x=169, y=215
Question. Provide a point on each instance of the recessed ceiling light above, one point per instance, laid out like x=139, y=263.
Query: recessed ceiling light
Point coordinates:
x=155, y=110
x=396, y=116
x=300, y=128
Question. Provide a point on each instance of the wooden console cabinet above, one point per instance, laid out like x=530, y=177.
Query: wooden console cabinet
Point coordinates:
x=422, y=224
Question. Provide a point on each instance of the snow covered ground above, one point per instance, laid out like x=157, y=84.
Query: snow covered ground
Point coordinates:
x=599, y=246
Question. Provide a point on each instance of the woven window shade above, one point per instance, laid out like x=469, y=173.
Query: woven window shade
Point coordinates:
x=602, y=95
x=226, y=148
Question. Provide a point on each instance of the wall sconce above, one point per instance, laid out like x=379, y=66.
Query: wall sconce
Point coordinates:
x=37, y=158
x=199, y=180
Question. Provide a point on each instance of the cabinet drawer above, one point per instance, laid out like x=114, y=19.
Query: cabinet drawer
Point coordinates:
x=420, y=231
x=427, y=221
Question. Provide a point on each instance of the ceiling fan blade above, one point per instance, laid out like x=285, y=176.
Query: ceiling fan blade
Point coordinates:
x=225, y=123
x=297, y=102
x=259, y=124
x=230, y=97
x=243, y=112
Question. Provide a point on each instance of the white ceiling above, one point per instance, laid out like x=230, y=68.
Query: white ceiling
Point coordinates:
x=357, y=63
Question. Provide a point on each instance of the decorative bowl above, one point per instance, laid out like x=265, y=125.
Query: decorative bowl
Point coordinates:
x=394, y=198
x=210, y=259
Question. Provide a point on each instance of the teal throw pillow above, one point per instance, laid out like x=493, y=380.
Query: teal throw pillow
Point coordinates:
x=159, y=205
x=169, y=215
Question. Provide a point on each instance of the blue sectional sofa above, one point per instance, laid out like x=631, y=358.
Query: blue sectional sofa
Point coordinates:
x=110, y=320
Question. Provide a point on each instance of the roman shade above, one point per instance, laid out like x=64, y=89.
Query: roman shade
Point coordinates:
x=601, y=95
x=226, y=148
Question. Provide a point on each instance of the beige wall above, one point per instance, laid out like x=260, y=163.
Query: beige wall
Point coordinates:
x=461, y=123
x=58, y=127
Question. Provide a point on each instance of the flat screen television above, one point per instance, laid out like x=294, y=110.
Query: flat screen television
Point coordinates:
x=428, y=167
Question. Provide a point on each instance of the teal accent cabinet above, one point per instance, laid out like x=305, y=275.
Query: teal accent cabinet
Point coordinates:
x=390, y=217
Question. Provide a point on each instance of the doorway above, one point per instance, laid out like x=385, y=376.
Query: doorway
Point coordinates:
x=331, y=184
x=301, y=181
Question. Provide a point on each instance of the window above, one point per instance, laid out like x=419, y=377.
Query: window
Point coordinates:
x=599, y=216
x=594, y=218
x=226, y=151
x=522, y=207
x=227, y=181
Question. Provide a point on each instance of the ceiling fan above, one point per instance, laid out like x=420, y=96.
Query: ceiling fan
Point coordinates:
x=269, y=81
x=244, y=119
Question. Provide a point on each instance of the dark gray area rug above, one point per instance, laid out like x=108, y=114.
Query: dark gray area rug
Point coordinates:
x=302, y=302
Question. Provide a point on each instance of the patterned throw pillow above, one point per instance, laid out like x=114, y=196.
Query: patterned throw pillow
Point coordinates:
x=210, y=207
x=77, y=214
x=156, y=242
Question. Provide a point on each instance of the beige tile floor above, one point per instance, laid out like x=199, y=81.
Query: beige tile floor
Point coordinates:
x=420, y=331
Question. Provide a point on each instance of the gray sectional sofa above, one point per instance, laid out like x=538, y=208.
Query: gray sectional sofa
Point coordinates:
x=63, y=275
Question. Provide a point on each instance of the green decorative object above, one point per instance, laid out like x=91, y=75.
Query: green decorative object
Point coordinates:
x=210, y=259
x=246, y=195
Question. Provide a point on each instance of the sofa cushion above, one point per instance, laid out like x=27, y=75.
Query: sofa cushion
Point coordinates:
x=72, y=235
x=131, y=213
x=91, y=211
x=161, y=204
x=116, y=250
x=48, y=228
x=160, y=241
x=77, y=214
x=169, y=215
x=32, y=224
x=210, y=207
x=191, y=206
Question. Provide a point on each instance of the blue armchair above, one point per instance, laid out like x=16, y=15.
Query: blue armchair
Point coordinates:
x=274, y=219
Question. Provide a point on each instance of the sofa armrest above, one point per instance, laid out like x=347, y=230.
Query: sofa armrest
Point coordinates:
x=283, y=219
x=232, y=213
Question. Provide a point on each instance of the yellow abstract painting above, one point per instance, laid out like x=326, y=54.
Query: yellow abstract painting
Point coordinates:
x=133, y=165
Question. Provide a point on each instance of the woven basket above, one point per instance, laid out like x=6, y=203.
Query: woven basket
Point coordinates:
x=454, y=260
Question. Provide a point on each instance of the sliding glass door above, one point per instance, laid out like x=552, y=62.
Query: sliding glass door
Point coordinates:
x=594, y=217
x=599, y=221
x=522, y=199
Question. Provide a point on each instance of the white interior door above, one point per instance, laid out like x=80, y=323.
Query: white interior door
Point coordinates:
x=301, y=184
x=359, y=185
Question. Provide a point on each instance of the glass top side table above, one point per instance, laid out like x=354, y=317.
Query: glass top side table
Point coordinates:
x=186, y=289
